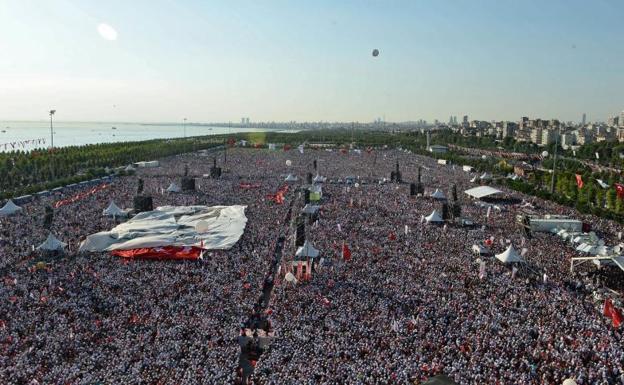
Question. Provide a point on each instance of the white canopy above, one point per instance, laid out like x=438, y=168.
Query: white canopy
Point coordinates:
x=310, y=209
x=319, y=179
x=51, y=244
x=307, y=250
x=482, y=191
x=174, y=226
x=291, y=178
x=114, y=211
x=434, y=217
x=9, y=208
x=174, y=188
x=437, y=194
x=509, y=256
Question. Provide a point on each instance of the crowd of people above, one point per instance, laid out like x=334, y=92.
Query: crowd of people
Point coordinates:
x=410, y=303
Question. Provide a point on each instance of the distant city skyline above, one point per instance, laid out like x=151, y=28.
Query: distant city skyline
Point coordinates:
x=208, y=61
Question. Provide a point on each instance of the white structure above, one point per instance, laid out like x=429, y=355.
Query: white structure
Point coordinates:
x=307, y=250
x=310, y=209
x=10, y=208
x=173, y=188
x=549, y=223
x=482, y=192
x=434, y=217
x=114, y=211
x=437, y=194
x=509, y=256
x=52, y=244
x=291, y=178
x=319, y=179
x=486, y=176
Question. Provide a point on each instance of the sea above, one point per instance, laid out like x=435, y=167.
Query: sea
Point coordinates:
x=27, y=136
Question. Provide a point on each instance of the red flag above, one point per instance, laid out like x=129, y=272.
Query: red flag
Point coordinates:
x=619, y=189
x=287, y=147
x=579, y=181
x=392, y=237
x=346, y=253
x=166, y=252
x=344, y=150
x=613, y=313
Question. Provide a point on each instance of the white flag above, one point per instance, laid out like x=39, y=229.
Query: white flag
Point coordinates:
x=514, y=270
x=339, y=228
x=406, y=229
x=300, y=148
x=481, y=270
x=489, y=210
x=597, y=156
x=545, y=278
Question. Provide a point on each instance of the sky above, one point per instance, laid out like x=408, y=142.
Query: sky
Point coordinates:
x=218, y=61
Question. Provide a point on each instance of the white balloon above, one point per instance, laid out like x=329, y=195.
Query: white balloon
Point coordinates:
x=288, y=163
x=290, y=277
x=357, y=185
x=545, y=154
x=201, y=227
x=107, y=32
x=484, y=157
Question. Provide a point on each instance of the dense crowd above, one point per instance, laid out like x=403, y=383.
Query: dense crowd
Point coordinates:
x=408, y=305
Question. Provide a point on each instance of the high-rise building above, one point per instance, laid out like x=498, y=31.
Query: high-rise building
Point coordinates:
x=584, y=121
x=621, y=120
x=465, y=121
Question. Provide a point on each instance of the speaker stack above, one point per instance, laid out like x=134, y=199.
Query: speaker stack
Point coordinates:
x=188, y=184
x=143, y=203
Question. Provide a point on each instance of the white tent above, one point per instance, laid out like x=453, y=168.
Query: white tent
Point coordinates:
x=51, y=244
x=437, y=194
x=291, y=178
x=434, y=217
x=319, y=179
x=130, y=168
x=114, y=211
x=482, y=191
x=509, y=256
x=173, y=188
x=486, y=176
x=307, y=250
x=9, y=208
x=310, y=209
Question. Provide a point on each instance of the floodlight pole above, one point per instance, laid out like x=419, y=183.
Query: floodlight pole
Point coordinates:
x=554, y=169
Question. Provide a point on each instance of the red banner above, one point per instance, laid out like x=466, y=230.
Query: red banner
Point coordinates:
x=80, y=196
x=619, y=189
x=165, y=252
x=278, y=197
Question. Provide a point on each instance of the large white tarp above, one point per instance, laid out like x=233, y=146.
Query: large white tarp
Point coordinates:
x=174, y=226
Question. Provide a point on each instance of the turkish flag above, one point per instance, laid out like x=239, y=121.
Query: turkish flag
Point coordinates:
x=613, y=313
x=579, y=180
x=166, y=252
x=392, y=237
x=619, y=189
x=346, y=253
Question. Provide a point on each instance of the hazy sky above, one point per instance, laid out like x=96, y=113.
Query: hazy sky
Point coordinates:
x=311, y=60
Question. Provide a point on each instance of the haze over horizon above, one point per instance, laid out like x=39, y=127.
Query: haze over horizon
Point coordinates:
x=160, y=61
